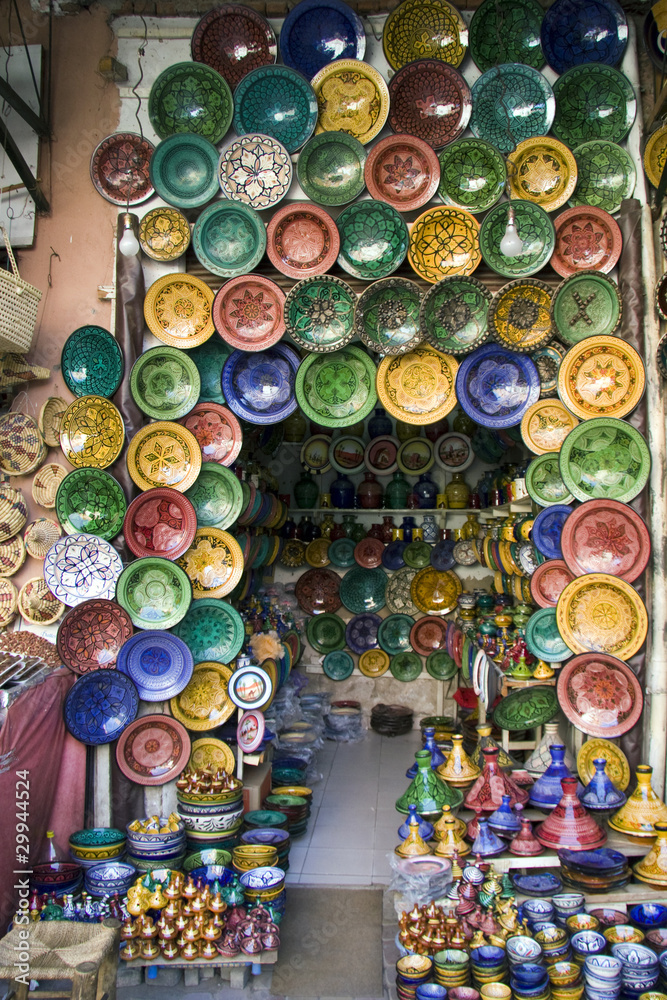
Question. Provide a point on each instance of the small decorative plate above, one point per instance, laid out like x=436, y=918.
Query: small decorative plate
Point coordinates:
x=92, y=362
x=153, y=750
x=444, y=241
x=164, y=383
x=403, y=171
x=233, y=40
x=547, y=359
x=602, y=614
x=159, y=664
x=495, y=387
x=293, y=554
x=248, y=312
x=398, y=593
x=392, y=557
x=584, y=31
x=545, y=425
x=593, y=101
x=505, y=31
x=510, y=103
x=37, y=604
x=91, y=635
x=302, y=240
x=373, y=240
x=363, y=590
x=587, y=239
x=216, y=496
x=212, y=630
x=545, y=884
x=544, y=171
x=415, y=456
x=319, y=313
x=346, y=454
x=255, y=170
x=119, y=169
x=453, y=452
x=217, y=430
x=326, y=632
x=177, y=310
x=352, y=97
x=587, y=304
x=418, y=388
x=472, y=175
x=606, y=175
x=338, y=666
x=655, y=155
x=317, y=591
x=394, y=634
x=600, y=695
x=431, y=101
x=80, y=567
x=544, y=482
x=435, y=592
x=92, y=433
x=601, y=377
x=431, y=29
x=210, y=358
x=381, y=455
x=547, y=529
x=316, y=552
x=249, y=733
x=520, y=315
x=406, y=666
x=251, y=687
x=204, y=703
x=99, y=706
x=535, y=230
x=229, y=238
x=92, y=501
x=341, y=553
x=184, y=170
x=278, y=102
x=549, y=581
x=155, y=592
x=428, y=635
x=160, y=522
x=330, y=168
x=315, y=33
x=617, y=769
x=337, y=390
x=190, y=97
x=164, y=234
x=386, y=316
x=361, y=632
x=417, y=554
x=214, y=563
x=441, y=666
x=605, y=458
x=314, y=454
x=259, y=387
x=526, y=708
x=209, y=752
x=605, y=536
x=164, y=454
x=368, y=553
x=373, y=663
x=453, y=316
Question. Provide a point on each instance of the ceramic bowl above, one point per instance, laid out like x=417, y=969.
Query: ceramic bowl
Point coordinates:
x=537, y=909
x=523, y=949
x=109, y=878
x=588, y=943
x=609, y=917
x=582, y=922
x=569, y=993
x=463, y=993
x=621, y=933
x=564, y=973
x=135, y=837
x=567, y=903
x=495, y=991
x=649, y=915
x=85, y=843
x=207, y=808
x=213, y=823
x=214, y=856
x=414, y=968
x=529, y=974
x=213, y=873
x=603, y=966
x=657, y=939
x=593, y=994
x=57, y=877
x=488, y=955
x=634, y=956
x=653, y=996
x=430, y=991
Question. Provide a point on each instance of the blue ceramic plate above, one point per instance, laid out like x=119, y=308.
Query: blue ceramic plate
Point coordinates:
x=276, y=101
x=212, y=630
x=316, y=32
x=341, y=553
x=158, y=662
x=392, y=557
x=495, y=386
x=229, y=238
x=511, y=102
x=442, y=557
x=259, y=387
x=338, y=665
x=598, y=860
x=537, y=885
x=361, y=632
x=547, y=529
x=100, y=705
x=184, y=171
x=363, y=590
x=583, y=31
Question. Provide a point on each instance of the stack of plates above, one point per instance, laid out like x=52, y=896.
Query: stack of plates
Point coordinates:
x=391, y=720
x=598, y=871
x=640, y=969
x=295, y=807
x=245, y=857
x=452, y=968
x=258, y=819
x=280, y=839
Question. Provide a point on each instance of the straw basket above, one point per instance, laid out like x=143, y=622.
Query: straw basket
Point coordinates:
x=19, y=303
x=12, y=555
x=9, y=600
x=37, y=604
x=40, y=535
x=45, y=484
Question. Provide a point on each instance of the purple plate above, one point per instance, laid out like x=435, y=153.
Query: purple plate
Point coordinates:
x=495, y=387
x=362, y=632
x=547, y=529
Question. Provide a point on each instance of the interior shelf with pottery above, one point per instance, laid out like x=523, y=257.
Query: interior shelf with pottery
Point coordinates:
x=501, y=510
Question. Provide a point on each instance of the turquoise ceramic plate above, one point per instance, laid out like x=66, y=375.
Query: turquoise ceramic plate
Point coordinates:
x=605, y=458
x=165, y=383
x=406, y=666
x=606, y=175
x=92, y=362
x=441, y=665
x=337, y=390
x=510, y=103
x=472, y=174
x=373, y=240
x=184, y=171
x=216, y=496
x=210, y=359
x=341, y=553
x=338, y=665
x=543, y=638
x=330, y=168
x=212, y=630
x=229, y=238
x=507, y=31
x=276, y=101
x=394, y=634
x=190, y=97
x=454, y=315
x=535, y=230
x=363, y=590
x=593, y=102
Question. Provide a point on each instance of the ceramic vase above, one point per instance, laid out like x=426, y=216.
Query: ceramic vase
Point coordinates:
x=405, y=432
x=546, y=793
x=487, y=843
x=375, y=531
x=295, y=427
x=307, y=530
x=354, y=530
x=525, y=844
x=369, y=492
x=387, y=529
x=437, y=756
x=379, y=424
x=504, y=821
x=484, y=739
x=306, y=491
x=396, y=493
x=450, y=844
x=429, y=529
x=427, y=791
x=425, y=829
x=413, y=846
x=458, y=770
x=653, y=867
x=342, y=492
x=601, y=794
x=540, y=758
x=426, y=491
x=437, y=429
x=643, y=809
x=337, y=531
x=457, y=492
x=487, y=792
x=569, y=825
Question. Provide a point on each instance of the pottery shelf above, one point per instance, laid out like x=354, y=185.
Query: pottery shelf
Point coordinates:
x=502, y=510
x=239, y=967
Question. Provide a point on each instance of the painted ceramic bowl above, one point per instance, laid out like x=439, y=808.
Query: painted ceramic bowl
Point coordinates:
x=330, y=168
x=276, y=101
x=256, y=170
x=386, y=317
x=229, y=238
x=431, y=29
x=193, y=98
x=373, y=240
x=233, y=40
x=430, y=100
x=248, y=312
x=403, y=171
x=352, y=97
x=302, y=240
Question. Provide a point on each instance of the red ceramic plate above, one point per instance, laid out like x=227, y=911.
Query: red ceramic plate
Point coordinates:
x=91, y=634
x=381, y=455
x=160, y=522
x=403, y=171
x=606, y=536
x=247, y=312
x=458, y=648
x=431, y=101
x=233, y=39
x=368, y=552
x=549, y=581
x=600, y=695
x=587, y=239
x=451, y=633
x=217, y=430
x=317, y=591
x=119, y=168
x=428, y=635
x=302, y=240
x=250, y=730
x=153, y=750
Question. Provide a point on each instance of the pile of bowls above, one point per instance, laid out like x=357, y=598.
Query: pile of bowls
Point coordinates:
x=599, y=871
x=602, y=976
x=209, y=856
x=245, y=857
x=289, y=771
x=663, y=970
x=555, y=944
x=623, y=934
x=296, y=808
x=263, y=886
x=566, y=981
x=92, y=847
x=566, y=904
x=411, y=972
x=109, y=878
x=61, y=877
x=150, y=850
x=640, y=969
x=451, y=967
x=488, y=965
x=213, y=873
x=211, y=819
x=530, y=981
x=537, y=911
x=585, y=943
x=258, y=819
x=280, y=839
x=521, y=949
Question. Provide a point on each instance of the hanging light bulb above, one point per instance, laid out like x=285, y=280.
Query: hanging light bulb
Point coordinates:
x=511, y=244
x=128, y=244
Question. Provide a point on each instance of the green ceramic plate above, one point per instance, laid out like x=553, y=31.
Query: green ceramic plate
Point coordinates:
x=394, y=634
x=417, y=554
x=373, y=240
x=593, y=101
x=526, y=708
x=547, y=360
x=472, y=175
x=210, y=359
x=319, y=313
x=544, y=640
x=406, y=666
x=544, y=482
x=386, y=317
x=605, y=175
x=341, y=553
x=535, y=230
x=191, y=97
x=276, y=101
x=156, y=593
x=338, y=665
x=336, y=390
x=605, y=458
x=326, y=633
x=212, y=630
x=92, y=362
x=330, y=168
x=229, y=238
x=587, y=304
x=216, y=496
x=184, y=171
x=91, y=500
x=363, y=590
x=454, y=315
x=507, y=31
x=165, y=383
x=511, y=102
x=440, y=665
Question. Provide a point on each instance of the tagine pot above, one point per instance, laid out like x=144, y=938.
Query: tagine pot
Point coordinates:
x=437, y=756
x=601, y=794
x=546, y=793
x=487, y=792
x=504, y=821
x=653, y=867
x=413, y=846
x=569, y=825
x=425, y=829
x=450, y=844
x=440, y=828
x=525, y=844
x=644, y=808
x=485, y=740
x=427, y=791
x=540, y=758
x=458, y=770
x=487, y=843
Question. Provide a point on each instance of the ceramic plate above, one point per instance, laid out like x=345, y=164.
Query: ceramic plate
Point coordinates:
x=190, y=97
x=319, y=313
x=453, y=316
x=600, y=695
x=259, y=387
x=520, y=315
x=430, y=100
x=415, y=456
x=361, y=632
x=444, y=241
x=177, y=309
x=92, y=362
x=472, y=175
x=205, y=703
x=381, y=455
x=593, y=102
x=510, y=103
x=119, y=169
x=394, y=633
x=587, y=304
x=406, y=666
x=316, y=552
x=216, y=496
x=250, y=687
x=91, y=635
x=164, y=234
x=315, y=33
x=424, y=29
x=434, y=592
x=544, y=171
x=250, y=731
x=495, y=387
x=233, y=40
x=330, y=168
x=341, y=553
x=276, y=101
x=603, y=614
x=535, y=230
x=338, y=666
x=346, y=454
x=545, y=425
x=363, y=590
x=184, y=170
x=164, y=454
x=386, y=316
x=212, y=630
x=302, y=240
x=505, y=31
x=248, y=312
x=352, y=97
x=605, y=458
x=317, y=591
x=605, y=536
x=164, y=383
x=212, y=753
x=601, y=377
x=217, y=431
x=229, y=238
x=547, y=529
x=526, y=708
x=417, y=554
x=155, y=592
x=617, y=769
x=543, y=637
x=453, y=452
x=544, y=482
x=418, y=388
x=91, y=501
x=80, y=567
x=374, y=663
x=314, y=455
x=392, y=557
x=337, y=390
x=373, y=240
x=92, y=433
x=549, y=581
x=368, y=552
x=403, y=171
x=606, y=175
x=441, y=666
x=99, y=706
x=326, y=632
x=547, y=360
x=546, y=884
x=214, y=563
x=587, y=239
x=153, y=750
x=584, y=31
x=256, y=170
x=429, y=635
x=158, y=663
x=397, y=594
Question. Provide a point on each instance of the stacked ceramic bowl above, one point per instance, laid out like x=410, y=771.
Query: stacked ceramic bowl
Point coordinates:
x=289, y=771
x=61, y=877
x=245, y=857
x=451, y=968
x=537, y=911
x=209, y=856
x=89, y=848
x=585, y=943
x=211, y=820
x=522, y=949
x=265, y=885
x=150, y=850
x=663, y=971
x=555, y=944
x=566, y=980
x=280, y=839
x=259, y=819
x=640, y=969
x=344, y=721
x=530, y=981
x=488, y=965
x=566, y=904
x=412, y=971
x=600, y=871
x=109, y=878
x=295, y=807
x=602, y=977
x=623, y=934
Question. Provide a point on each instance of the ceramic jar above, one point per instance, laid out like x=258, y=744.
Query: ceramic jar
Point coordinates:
x=437, y=429
x=342, y=492
x=457, y=492
x=369, y=492
x=463, y=424
x=307, y=530
x=387, y=529
x=429, y=529
x=306, y=491
x=353, y=530
x=379, y=424
x=327, y=526
x=375, y=531
x=426, y=491
x=546, y=793
x=295, y=427
x=601, y=794
x=405, y=432
x=396, y=493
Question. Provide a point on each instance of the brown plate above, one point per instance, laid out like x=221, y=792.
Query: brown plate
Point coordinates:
x=233, y=40
x=317, y=591
x=160, y=522
x=430, y=100
x=248, y=312
x=600, y=695
x=91, y=634
x=217, y=430
x=153, y=750
x=302, y=240
x=402, y=170
x=428, y=635
x=368, y=552
x=587, y=239
x=549, y=581
x=119, y=168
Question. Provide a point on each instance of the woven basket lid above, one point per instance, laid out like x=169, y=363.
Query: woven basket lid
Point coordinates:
x=37, y=604
x=49, y=420
x=12, y=555
x=40, y=535
x=9, y=598
x=45, y=484
x=22, y=448
x=16, y=370
x=13, y=512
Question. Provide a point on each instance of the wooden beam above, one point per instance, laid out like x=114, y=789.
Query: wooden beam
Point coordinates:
x=22, y=169
x=35, y=121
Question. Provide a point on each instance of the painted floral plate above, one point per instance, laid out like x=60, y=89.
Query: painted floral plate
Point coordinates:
x=81, y=567
x=164, y=383
x=430, y=100
x=545, y=425
x=593, y=101
x=549, y=581
x=434, y=592
x=204, y=703
x=177, y=310
x=544, y=171
x=233, y=40
x=600, y=695
x=418, y=387
x=403, y=171
x=586, y=304
x=601, y=377
x=544, y=483
x=164, y=454
x=338, y=666
x=587, y=239
x=259, y=387
x=520, y=315
x=91, y=501
x=248, y=312
x=92, y=362
x=155, y=592
x=453, y=316
x=543, y=637
x=506, y=31
x=337, y=390
x=326, y=632
x=318, y=591
x=315, y=33
x=618, y=768
x=605, y=536
x=535, y=230
x=510, y=103
x=575, y=32
x=472, y=175
x=352, y=97
x=91, y=635
x=406, y=666
x=212, y=630
x=99, y=706
x=120, y=169
x=361, y=632
x=394, y=633
x=526, y=708
x=603, y=614
x=184, y=170
x=276, y=101
x=153, y=750
x=398, y=597
x=160, y=522
x=330, y=168
x=363, y=590
x=444, y=241
x=302, y=240
x=216, y=496
x=495, y=387
x=424, y=29
x=92, y=433
x=190, y=97
x=256, y=170
x=159, y=664
x=213, y=563
x=217, y=431
x=164, y=233
x=386, y=316
x=373, y=240
x=229, y=238
x=606, y=175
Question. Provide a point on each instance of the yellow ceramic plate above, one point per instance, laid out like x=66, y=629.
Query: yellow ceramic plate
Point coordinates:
x=164, y=233
x=435, y=592
x=214, y=563
x=91, y=433
x=374, y=662
x=164, y=454
x=204, y=704
x=520, y=315
x=655, y=155
x=352, y=97
x=444, y=241
x=602, y=614
x=317, y=552
x=177, y=309
x=601, y=377
x=545, y=425
x=419, y=387
x=618, y=768
x=424, y=29
x=545, y=172
x=211, y=753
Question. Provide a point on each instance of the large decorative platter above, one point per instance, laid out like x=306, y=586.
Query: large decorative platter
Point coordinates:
x=363, y=590
x=605, y=458
x=164, y=233
x=454, y=315
x=91, y=635
x=92, y=433
x=587, y=304
x=600, y=695
x=326, y=632
x=520, y=315
x=229, y=238
x=319, y=313
x=373, y=240
x=424, y=29
x=352, y=97
x=495, y=387
x=605, y=536
x=190, y=97
x=506, y=32
x=155, y=592
x=434, y=592
x=472, y=175
x=276, y=101
x=601, y=377
x=153, y=749
x=536, y=232
x=593, y=102
x=259, y=387
x=316, y=32
x=248, y=312
x=177, y=309
x=394, y=633
x=373, y=663
x=212, y=630
x=544, y=482
x=526, y=708
x=587, y=239
x=330, y=168
x=444, y=241
x=164, y=454
x=403, y=171
x=256, y=170
x=545, y=425
x=92, y=501
x=164, y=383
x=302, y=240
x=318, y=591
x=337, y=390
x=602, y=614
x=386, y=316
x=549, y=581
x=205, y=702
x=159, y=664
x=618, y=768
x=584, y=31
x=543, y=637
x=81, y=567
x=233, y=40
x=510, y=103
x=99, y=706
x=655, y=155
x=119, y=168
x=214, y=563
x=606, y=175
x=418, y=388
x=430, y=100
x=544, y=172
x=406, y=666
x=92, y=362
x=184, y=170
x=397, y=594
x=160, y=522
x=216, y=496
x=217, y=431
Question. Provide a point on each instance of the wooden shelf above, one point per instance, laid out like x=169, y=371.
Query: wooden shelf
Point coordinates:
x=264, y=958
x=503, y=509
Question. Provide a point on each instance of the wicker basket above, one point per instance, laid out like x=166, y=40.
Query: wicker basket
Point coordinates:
x=45, y=484
x=37, y=605
x=12, y=555
x=49, y=419
x=9, y=603
x=13, y=512
x=39, y=536
x=19, y=303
